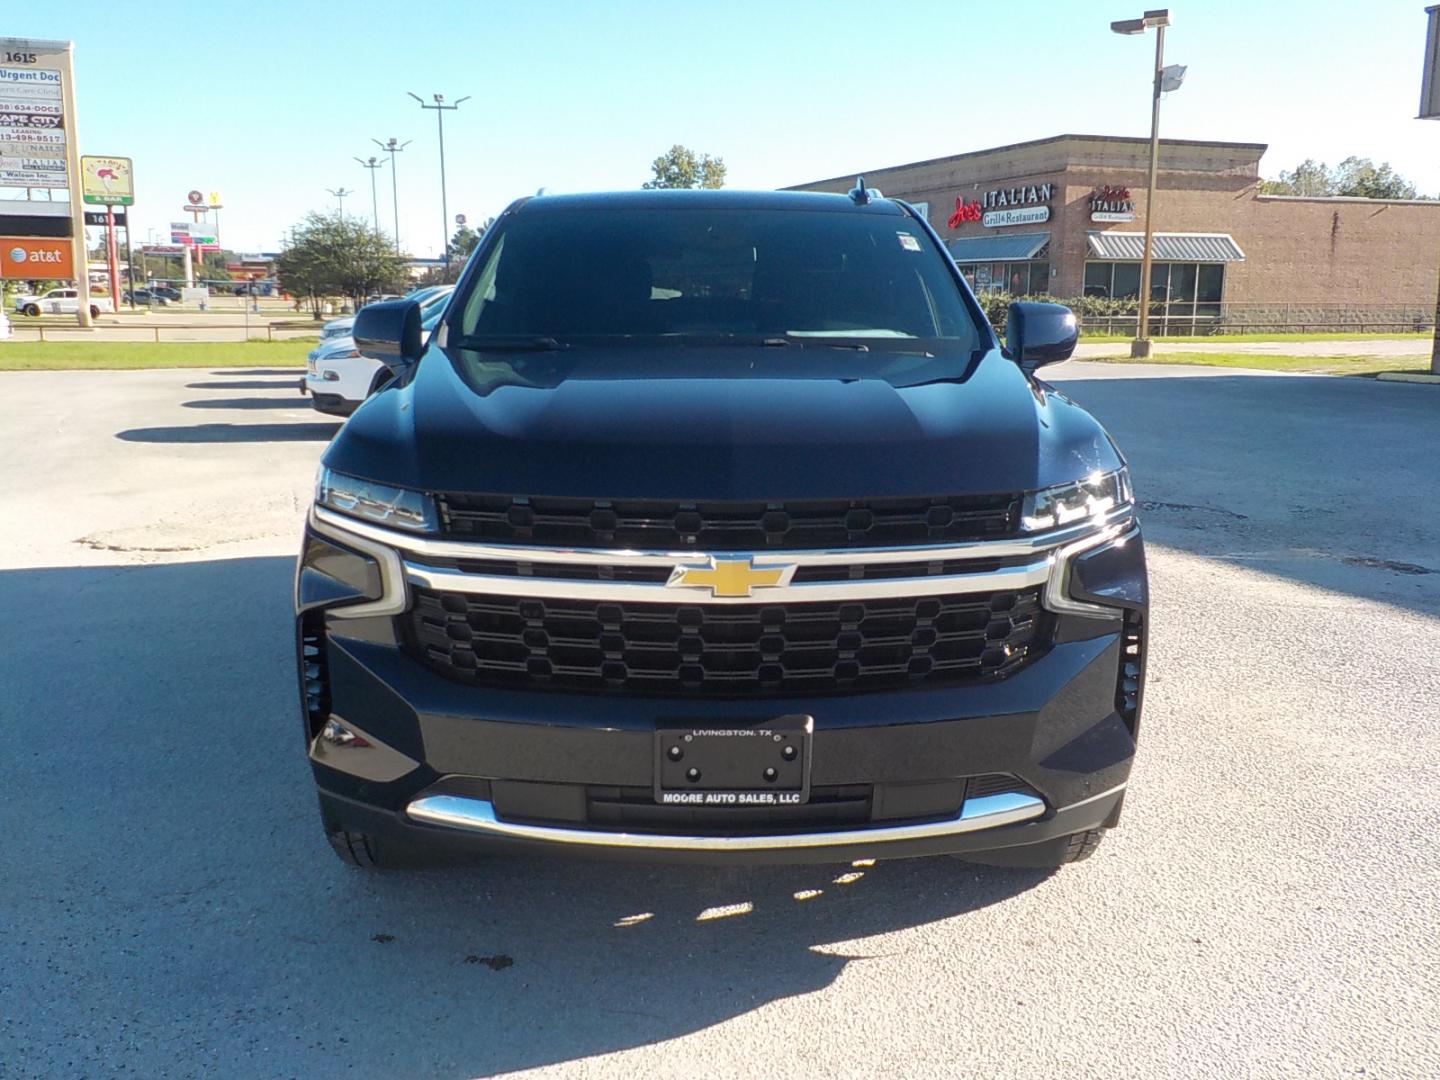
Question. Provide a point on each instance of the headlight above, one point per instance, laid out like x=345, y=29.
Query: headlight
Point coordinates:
x=380, y=503
x=1093, y=497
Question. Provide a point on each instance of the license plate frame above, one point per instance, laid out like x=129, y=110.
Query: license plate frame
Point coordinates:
x=732, y=758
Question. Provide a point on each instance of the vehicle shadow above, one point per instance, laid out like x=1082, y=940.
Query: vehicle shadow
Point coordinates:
x=190, y=873
x=301, y=431
x=292, y=371
x=287, y=402
x=246, y=384
x=1316, y=479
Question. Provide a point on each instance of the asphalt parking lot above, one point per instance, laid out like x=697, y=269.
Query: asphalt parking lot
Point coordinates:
x=168, y=906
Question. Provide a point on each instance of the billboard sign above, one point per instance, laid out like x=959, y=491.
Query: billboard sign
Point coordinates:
x=32, y=118
x=107, y=181
x=29, y=257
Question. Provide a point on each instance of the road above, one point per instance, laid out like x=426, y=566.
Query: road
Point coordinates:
x=168, y=906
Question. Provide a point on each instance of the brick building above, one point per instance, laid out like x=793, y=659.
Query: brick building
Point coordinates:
x=1066, y=215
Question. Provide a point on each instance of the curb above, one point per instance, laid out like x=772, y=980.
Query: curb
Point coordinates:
x=1408, y=376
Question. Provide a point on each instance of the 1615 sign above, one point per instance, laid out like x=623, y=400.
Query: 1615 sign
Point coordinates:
x=1111, y=204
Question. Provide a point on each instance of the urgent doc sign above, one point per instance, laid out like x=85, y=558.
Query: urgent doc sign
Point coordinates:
x=32, y=120
x=26, y=257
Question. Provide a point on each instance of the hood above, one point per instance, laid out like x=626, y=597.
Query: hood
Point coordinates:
x=721, y=438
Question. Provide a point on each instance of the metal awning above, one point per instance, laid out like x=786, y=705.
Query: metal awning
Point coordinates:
x=1165, y=247
x=1012, y=247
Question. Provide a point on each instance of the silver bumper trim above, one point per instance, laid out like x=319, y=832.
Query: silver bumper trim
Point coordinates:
x=1010, y=578
x=478, y=816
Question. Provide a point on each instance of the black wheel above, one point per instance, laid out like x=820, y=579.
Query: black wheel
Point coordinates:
x=33, y=310
x=1082, y=845
x=1061, y=851
x=94, y=312
x=355, y=849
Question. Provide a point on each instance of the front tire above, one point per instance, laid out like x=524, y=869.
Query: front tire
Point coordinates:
x=354, y=848
x=33, y=310
x=94, y=312
x=1052, y=854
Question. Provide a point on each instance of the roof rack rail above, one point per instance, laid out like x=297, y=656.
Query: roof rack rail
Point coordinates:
x=860, y=195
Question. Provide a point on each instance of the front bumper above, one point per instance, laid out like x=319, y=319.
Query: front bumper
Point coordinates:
x=1037, y=755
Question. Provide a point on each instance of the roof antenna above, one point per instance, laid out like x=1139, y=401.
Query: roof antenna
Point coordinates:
x=860, y=195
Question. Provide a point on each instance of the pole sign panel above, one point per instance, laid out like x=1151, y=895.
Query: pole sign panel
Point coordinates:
x=29, y=258
x=107, y=181
x=32, y=119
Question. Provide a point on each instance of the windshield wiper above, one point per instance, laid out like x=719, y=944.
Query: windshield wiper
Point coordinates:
x=509, y=343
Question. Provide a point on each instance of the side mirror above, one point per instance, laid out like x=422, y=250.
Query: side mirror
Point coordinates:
x=1038, y=333
x=390, y=332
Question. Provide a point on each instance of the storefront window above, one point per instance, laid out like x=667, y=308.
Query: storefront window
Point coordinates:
x=1017, y=278
x=1190, y=292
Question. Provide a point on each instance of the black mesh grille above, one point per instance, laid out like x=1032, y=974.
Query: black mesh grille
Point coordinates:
x=724, y=649
x=728, y=526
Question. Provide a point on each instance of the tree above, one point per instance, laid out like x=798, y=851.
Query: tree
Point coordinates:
x=331, y=255
x=1363, y=178
x=1355, y=176
x=681, y=167
x=467, y=239
x=1310, y=177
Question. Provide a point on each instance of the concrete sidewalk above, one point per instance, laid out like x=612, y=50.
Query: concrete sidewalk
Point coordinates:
x=1400, y=349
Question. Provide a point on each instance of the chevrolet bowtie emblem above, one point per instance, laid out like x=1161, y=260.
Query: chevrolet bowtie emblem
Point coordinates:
x=730, y=577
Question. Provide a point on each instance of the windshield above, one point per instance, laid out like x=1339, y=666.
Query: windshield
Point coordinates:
x=715, y=276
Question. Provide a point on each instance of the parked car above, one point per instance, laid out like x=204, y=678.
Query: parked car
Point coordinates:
x=718, y=526
x=144, y=296
x=340, y=327
x=63, y=301
x=338, y=377
x=165, y=292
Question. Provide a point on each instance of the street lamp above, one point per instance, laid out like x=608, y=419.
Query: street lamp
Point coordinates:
x=1158, y=20
x=393, y=147
x=441, y=109
x=340, y=194
x=373, y=164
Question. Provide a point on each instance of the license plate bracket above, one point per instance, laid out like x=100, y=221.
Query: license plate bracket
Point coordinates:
x=727, y=763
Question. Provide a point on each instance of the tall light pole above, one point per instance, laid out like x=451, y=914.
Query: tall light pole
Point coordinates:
x=393, y=147
x=373, y=164
x=1158, y=20
x=340, y=194
x=441, y=109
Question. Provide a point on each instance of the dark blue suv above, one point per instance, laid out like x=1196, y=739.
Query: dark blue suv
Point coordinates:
x=720, y=526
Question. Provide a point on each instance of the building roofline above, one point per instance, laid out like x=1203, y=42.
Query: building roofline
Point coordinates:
x=1348, y=199
x=1131, y=140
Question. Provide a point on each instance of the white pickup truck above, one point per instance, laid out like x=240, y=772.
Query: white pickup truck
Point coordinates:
x=60, y=302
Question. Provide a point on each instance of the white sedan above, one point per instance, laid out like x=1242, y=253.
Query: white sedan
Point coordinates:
x=338, y=378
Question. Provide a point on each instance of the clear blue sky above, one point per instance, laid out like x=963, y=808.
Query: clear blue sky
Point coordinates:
x=269, y=102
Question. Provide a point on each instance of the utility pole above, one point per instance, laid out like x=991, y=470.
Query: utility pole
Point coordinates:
x=371, y=165
x=441, y=109
x=340, y=194
x=1158, y=21
x=393, y=147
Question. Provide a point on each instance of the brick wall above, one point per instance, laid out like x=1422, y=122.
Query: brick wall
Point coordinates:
x=1301, y=251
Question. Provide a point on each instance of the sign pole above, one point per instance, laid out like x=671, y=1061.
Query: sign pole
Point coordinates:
x=72, y=171
x=129, y=261
x=111, y=258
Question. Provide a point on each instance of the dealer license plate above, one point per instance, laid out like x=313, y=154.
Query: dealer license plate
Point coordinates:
x=766, y=763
